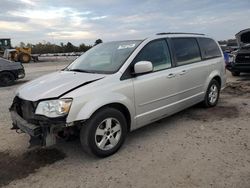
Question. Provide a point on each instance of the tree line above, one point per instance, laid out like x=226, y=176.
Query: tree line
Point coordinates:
x=47, y=47
x=229, y=42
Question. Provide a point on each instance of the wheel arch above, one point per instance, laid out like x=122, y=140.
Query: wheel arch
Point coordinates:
x=218, y=79
x=114, y=100
x=118, y=106
x=9, y=71
x=214, y=75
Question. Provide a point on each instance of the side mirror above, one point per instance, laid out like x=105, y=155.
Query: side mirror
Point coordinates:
x=143, y=67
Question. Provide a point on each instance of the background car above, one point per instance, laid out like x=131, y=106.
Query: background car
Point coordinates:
x=241, y=61
x=10, y=71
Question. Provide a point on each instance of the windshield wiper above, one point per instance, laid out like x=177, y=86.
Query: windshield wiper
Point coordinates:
x=78, y=70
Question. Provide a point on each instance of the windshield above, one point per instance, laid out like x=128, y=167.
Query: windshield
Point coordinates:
x=104, y=58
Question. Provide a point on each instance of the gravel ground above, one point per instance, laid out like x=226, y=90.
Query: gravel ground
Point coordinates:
x=195, y=148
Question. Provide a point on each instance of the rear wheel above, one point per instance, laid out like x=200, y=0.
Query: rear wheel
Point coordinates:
x=104, y=133
x=236, y=73
x=6, y=79
x=24, y=58
x=212, y=94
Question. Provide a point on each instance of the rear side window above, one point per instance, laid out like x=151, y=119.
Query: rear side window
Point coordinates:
x=209, y=48
x=186, y=50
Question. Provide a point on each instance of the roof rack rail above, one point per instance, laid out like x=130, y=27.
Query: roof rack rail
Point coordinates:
x=179, y=33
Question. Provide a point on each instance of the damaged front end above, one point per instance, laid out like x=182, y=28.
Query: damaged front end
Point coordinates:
x=43, y=131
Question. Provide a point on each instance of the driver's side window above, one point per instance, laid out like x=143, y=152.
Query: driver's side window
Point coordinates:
x=157, y=53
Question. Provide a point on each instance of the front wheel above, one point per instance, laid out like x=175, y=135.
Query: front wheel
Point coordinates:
x=104, y=133
x=24, y=58
x=6, y=79
x=212, y=94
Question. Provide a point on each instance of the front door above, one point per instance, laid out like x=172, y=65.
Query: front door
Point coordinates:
x=155, y=92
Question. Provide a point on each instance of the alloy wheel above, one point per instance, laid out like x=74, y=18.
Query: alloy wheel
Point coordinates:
x=108, y=134
x=213, y=94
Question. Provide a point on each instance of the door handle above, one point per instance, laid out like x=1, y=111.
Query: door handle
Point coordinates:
x=171, y=75
x=183, y=72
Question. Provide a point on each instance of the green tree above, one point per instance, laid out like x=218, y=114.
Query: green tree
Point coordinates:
x=22, y=44
x=69, y=47
x=29, y=45
x=98, y=41
x=83, y=47
x=47, y=47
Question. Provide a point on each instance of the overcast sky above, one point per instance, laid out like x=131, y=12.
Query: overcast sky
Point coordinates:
x=84, y=21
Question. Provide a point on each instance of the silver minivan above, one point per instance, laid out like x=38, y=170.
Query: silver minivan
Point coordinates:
x=120, y=86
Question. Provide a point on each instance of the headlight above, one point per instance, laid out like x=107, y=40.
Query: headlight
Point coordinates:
x=54, y=108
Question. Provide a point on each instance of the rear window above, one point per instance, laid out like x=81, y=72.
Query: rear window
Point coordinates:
x=209, y=48
x=186, y=50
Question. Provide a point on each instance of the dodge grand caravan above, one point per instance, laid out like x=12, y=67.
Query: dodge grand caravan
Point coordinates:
x=117, y=87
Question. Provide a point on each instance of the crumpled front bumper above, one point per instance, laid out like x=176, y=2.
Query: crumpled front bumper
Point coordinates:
x=23, y=125
x=42, y=130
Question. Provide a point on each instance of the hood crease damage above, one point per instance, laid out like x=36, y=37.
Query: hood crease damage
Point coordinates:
x=55, y=85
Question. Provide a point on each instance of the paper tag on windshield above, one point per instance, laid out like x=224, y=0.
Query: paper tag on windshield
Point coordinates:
x=124, y=46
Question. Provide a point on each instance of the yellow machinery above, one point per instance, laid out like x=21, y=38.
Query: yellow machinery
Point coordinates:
x=21, y=54
x=18, y=54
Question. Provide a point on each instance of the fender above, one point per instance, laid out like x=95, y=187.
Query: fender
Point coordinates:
x=213, y=74
x=92, y=106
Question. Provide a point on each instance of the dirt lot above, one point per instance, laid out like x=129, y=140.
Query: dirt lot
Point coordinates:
x=195, y=148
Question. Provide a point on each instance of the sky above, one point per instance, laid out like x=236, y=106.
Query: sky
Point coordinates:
x=84, y=21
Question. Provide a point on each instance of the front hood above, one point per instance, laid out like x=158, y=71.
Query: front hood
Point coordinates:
x=7, y=64
x=243, y=37
x=55, y=85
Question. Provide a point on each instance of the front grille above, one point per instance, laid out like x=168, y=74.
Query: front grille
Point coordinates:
x=242, y=58
x=26, y=109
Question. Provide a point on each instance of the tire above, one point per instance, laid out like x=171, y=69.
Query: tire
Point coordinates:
x=104, y=133
x=24, y=58
x=235, y=73
x=212, y=94
x=6, y=79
